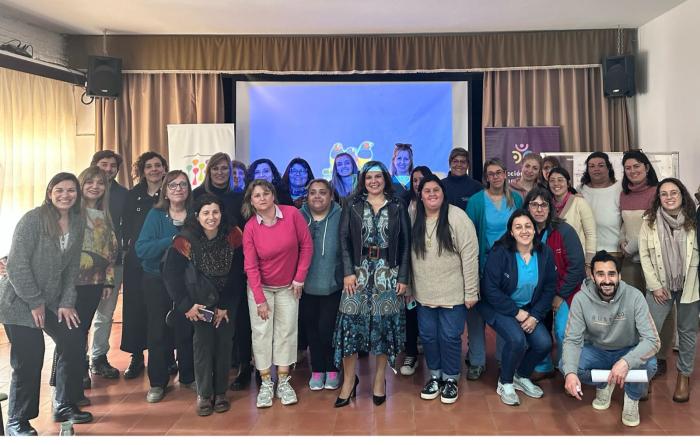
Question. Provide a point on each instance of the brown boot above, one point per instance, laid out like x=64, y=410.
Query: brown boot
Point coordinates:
x=682, y=392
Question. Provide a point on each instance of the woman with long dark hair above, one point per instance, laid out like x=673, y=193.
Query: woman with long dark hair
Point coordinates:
x=517, y=289
x=602, y=191
x=150, y=168
x=570, y=265
x=38, y=295
x=668, y=249
x=296, y=177
x=163, y=222
x=445, y=266
x=376, y=242
x=344, y=177
x=266, y=169
x=214, y=248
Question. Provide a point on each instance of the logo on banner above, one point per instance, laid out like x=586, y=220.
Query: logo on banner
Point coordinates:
x=362, y=154
x=196, y=168
x=520, y=151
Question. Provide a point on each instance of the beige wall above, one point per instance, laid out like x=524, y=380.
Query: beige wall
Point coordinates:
x=668, y=100
x=84, y=130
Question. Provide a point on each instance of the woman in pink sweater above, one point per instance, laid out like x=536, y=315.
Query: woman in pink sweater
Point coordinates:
x=277, y=247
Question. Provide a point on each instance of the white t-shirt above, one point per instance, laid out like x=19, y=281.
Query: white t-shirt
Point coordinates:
x=605, y=203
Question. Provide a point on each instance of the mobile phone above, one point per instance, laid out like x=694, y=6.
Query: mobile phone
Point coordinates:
x=411, y=304
x=207, y=314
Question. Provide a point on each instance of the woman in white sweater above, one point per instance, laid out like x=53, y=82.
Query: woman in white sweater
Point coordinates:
x=445, y=265
x=669, y=254
x=573, y=209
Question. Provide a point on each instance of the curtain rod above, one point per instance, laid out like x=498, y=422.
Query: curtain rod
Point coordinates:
x=41, y=68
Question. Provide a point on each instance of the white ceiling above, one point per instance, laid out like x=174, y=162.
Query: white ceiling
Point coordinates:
x=330, y=16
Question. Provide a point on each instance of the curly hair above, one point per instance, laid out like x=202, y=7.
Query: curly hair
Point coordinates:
x=687, y=204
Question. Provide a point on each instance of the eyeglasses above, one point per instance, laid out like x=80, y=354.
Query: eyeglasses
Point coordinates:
x=176, y=185
x=495, y=174
x=538, y=205
x=297, y=171
x=671, y=194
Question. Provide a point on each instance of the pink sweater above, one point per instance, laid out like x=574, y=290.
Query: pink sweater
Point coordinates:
x=277, y=255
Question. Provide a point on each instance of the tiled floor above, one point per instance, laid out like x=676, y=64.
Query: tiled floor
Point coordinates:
x=120, y=408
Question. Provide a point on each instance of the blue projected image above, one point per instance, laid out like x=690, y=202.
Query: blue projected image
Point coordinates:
x=317, y=122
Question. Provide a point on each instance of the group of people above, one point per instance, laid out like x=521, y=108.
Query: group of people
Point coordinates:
x=254, y=267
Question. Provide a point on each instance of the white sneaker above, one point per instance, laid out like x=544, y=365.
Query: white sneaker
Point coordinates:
x=265, y=394
x=410, y=364
x=525, y=385
x=507, y=393
x=285, y=392
x=603, y=397
x=630, y=412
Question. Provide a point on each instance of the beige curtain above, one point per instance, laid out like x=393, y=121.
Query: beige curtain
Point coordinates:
x=137, y=121
x=37, y=140
x=571, y=98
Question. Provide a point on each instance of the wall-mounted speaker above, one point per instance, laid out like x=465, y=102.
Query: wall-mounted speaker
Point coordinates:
x=104, y=76
x=618, y=76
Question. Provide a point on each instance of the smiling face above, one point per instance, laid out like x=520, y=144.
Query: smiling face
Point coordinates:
x=635, y=171
x=459, y=165
x=238, y=176
x=343, y=165
x=598, y=171
x=209, y=218
x=298, y=176
x=374, y=183
x=109, y=166
x=416, y=178
x=558, y=185
x=432, y=196
x=670, y=197
x=263, y=171
x=177, y=190
x=402, y=162
x=523, y=231
x=154, y=171
x=319, y=198
x=530, y=170
x=220, y=174
x=63, y=195
x=606, y=278
x=93, y=189
x=262, y=199
x=496, y=176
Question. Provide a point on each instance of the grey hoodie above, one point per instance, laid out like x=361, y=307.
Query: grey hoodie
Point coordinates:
x=623, y=322
x=326, y=271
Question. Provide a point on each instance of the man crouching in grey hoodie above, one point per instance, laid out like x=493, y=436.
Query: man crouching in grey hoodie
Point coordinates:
x=609, y=327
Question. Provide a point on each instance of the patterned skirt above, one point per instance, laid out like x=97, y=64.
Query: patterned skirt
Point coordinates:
x=373, y=319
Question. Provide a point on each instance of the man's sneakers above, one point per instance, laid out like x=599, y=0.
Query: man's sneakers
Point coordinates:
x=507, y=393
x=630, y=412
x=525, y=385
x=410, y=363
x=603, y=397
x=474, y=372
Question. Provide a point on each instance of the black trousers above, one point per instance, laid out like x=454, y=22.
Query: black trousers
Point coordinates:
x=134, y=325
x=161, y=337
x=412, y=332
x=27, y=358
x=242, y=349
x=320, y=312
x=212, y=358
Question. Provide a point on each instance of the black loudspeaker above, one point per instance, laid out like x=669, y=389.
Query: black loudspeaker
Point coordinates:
x=618, y=76
x=104, y=76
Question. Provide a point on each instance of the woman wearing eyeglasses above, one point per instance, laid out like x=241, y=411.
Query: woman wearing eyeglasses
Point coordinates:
x=517, y=288
x=489, y=210
x=669, y=254
x=162, y=223
x=296, y=177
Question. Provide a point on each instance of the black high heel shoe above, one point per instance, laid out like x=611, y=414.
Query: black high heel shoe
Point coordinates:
x=339, y=403
x=378, y=400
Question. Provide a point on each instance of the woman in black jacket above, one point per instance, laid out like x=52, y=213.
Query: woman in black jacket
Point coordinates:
x=375, y=237
x=214, y=249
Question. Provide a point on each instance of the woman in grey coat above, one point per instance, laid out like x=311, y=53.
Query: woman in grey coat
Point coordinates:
x=38, y=294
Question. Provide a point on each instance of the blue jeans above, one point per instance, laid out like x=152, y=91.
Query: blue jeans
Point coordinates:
x=595, y=358
x=521, y=351
x=440, y=330
x=559, y=328
x=476, y=339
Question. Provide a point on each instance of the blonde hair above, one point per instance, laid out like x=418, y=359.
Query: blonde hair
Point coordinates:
x=102, y=203
x=216, y=158
x=247, y=209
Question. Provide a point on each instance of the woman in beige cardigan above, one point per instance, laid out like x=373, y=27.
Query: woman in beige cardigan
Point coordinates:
x=573, y=209
x=669, y=254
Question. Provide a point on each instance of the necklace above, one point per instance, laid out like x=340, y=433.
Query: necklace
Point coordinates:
x=430, y=236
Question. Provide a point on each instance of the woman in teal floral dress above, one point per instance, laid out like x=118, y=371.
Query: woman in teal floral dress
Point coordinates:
x=375, y=240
